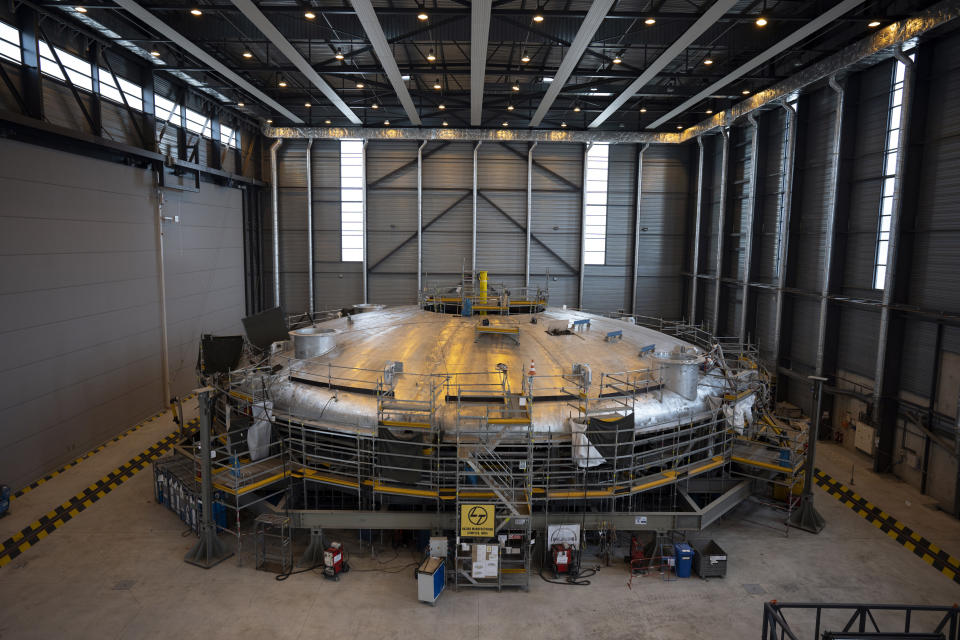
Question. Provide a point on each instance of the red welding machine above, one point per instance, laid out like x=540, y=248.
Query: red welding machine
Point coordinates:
x=333, y=564
x=563, y=558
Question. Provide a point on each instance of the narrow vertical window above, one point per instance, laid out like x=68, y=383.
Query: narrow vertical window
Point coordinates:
x=351, y=200
x=10, y=43
x=888, y=178
x=595, y=204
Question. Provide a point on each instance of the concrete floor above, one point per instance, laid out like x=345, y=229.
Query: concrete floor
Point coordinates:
x=117, y=571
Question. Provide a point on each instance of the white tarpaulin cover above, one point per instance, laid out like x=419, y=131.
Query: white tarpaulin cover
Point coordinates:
x=585, y=455
x=258, y=435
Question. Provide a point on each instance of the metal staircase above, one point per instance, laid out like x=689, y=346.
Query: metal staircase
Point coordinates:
x=495, y=469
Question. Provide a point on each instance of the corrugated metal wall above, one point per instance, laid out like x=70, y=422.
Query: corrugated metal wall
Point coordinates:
x=392, y=222
x=767, y=227
x=203, y=266
x=669, y=172
x=557, y=213
x=447, y=211
x=502, y=212
x=936, y=258
x=79, y=299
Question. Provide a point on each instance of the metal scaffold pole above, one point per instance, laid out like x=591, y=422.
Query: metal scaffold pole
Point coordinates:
x=209, y=550
x=807, y=517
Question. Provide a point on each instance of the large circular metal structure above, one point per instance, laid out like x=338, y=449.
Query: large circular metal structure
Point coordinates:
x=585, y=365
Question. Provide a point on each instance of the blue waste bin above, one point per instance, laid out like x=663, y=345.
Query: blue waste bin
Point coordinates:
x=684, y=559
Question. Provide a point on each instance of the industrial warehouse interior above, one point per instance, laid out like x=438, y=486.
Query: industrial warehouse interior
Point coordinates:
x=480, y=319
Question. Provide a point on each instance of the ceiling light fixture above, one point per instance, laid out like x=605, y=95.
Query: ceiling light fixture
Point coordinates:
x=247, y=55
x=563, y=124
x=679, y=126
x=547, y=79
x=269, y=121
x=326, y=122
x=79, y=9
x=437, y=85
x=441, y=107
x=761, y=22
x=643, y=109
x=421, y=14
x=430, y=55
x=307, y=105
x=339, y=55
x=386, y=123
x=708, y=61
x=374, y=106
x=576, y=108
x=525, y=57
x=593, y=88
x=709, y=111
x=509, y=107
x=282, y=83
x=196, y=12
x=617, y=59
x=155, y=53
x=360, y=85
x=444, y=123
x=538, y=16
x=745, y=92
x=873, y=24
x=506, y=124
x=649, y=22
x=241, y=105
x=516, y=86
x=309, y=15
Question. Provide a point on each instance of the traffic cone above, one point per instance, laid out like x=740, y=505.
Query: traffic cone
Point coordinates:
x=533, y=369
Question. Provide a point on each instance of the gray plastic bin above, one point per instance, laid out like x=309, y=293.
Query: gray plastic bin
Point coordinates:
x=709, y=560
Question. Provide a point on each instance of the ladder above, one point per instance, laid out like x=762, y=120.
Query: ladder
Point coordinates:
x=494, y=468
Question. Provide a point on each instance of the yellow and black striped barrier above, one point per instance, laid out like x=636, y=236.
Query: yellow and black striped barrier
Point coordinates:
x=53, y=474
x=913, y=541
x=50, y=522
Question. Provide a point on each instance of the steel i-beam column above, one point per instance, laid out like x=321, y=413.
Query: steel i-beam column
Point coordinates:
x=275, y=217
x=583, y=224
x=696, y=235
x=310, y=292
x=721, y=223
x=785, y=211
x=748, y=231
x=420, y=215
x=363, y=161
x=473, y=243
x=526, y=279
x=886, y=435
x=636, y=230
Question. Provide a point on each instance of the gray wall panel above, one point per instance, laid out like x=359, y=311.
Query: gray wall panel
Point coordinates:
x=80, y=299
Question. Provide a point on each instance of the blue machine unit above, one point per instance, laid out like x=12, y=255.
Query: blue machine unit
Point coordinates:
x=431, y=579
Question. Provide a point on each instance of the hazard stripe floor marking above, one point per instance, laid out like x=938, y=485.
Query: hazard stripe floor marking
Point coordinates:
x=921, y=547
x=56, y=518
